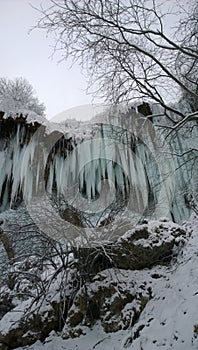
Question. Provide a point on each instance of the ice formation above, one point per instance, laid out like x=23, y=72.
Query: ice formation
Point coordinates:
x=123, y=159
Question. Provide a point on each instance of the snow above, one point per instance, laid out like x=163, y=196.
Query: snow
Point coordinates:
x=31, y=117
x=167, y=322
x=11, y=320
x=155, y=235
x=96, y=339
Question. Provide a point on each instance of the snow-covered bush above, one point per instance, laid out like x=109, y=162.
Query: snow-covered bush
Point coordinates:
x=17, y=95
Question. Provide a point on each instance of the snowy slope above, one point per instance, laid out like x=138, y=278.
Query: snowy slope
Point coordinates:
x=169, y=320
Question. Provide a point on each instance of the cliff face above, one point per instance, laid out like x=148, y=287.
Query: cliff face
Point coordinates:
x=122, y=164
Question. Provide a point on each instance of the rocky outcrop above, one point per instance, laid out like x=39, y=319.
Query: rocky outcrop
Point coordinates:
x=141, y=247
x=147, y=244
x=30, y=310
x=113, y=298
x=21, y=327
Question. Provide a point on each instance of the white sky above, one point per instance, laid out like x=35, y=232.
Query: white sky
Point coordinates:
x=28, y=55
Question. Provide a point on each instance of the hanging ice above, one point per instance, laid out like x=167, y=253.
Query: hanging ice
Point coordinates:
x=123, y=162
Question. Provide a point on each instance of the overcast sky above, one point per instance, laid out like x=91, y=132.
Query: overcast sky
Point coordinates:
x=28, y=55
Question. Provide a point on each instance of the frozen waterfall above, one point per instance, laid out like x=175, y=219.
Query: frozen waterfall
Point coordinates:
x=125, y=161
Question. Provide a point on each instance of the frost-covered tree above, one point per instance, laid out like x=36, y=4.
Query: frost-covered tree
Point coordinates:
x=18, y=95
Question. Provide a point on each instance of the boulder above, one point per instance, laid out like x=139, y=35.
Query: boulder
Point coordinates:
x=140, y=247
x=19, y=327
x=147, y=245
x=113, y=298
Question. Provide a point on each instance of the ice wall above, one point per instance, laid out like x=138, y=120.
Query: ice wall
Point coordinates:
x=125, y=161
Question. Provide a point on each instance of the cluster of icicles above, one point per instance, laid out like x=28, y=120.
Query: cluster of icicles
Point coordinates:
x=116, y=162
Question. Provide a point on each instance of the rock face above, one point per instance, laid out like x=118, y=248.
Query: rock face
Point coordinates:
x=28, y=314
x=141, y=247
x=5, y=305
x=147, y=244
x=17, y=330
x=113, y=298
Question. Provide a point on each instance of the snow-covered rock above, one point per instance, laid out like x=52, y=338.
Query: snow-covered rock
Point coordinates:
x=114, y=297
x=169, y=319
x=142, y=246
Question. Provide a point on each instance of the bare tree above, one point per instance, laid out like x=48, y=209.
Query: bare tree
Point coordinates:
x=126, y=48
x=4, y=239
x=187, y=68
x=17, y=95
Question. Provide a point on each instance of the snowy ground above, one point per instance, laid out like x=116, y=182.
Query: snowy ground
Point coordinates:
x=169, y=320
